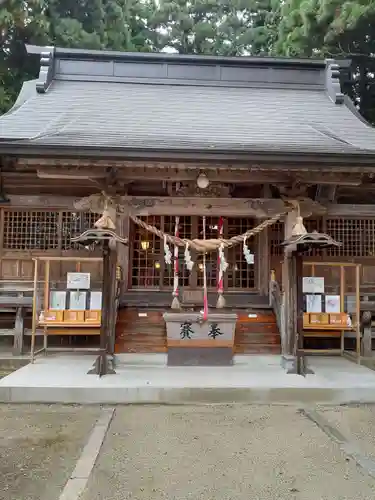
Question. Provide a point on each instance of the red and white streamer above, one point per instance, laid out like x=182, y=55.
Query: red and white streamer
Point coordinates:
x=220, y=279
x=205, y=298
x=175, y=274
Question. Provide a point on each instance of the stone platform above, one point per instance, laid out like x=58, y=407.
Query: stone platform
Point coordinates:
x=146, y=379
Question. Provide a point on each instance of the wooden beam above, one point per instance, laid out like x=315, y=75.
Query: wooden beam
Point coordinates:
x=43, y=202
x=193, y=163
x=189, y=175
x=182, y=172
x=191, y=206
x=138, y=205
x=346, y=210
x=232, y=207
x=69, y=173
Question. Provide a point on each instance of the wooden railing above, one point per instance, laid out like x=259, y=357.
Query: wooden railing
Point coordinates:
x=276, y=300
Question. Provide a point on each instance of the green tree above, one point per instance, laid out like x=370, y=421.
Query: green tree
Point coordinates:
x=90, y=24
x=213, y=27
x=21, y=22
x=334, y=28
x=99, y=24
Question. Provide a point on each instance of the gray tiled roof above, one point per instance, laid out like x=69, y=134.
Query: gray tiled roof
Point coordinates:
x=153, y=115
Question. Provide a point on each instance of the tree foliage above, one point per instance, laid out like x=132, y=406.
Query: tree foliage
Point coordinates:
x=90, y=24
x=334, y=28
x=219, y=27
x=304, y=28
x=20, y=22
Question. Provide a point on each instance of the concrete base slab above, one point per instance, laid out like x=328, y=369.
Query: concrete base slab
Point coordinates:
x=147, y=379
x=290, y=365
x=204, y=356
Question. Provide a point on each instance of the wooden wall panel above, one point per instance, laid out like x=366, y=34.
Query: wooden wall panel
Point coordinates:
x=368, y=276
x=22, y=268
x=16, y=269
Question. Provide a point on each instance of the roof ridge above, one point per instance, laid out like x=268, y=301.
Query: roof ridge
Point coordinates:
x=226, y=71
x=105, y=55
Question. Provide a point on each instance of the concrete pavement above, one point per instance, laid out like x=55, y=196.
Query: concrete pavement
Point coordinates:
x=231, y=452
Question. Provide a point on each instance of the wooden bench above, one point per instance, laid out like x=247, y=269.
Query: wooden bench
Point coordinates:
x=16, y=297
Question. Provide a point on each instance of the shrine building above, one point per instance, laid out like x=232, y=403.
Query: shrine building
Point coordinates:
x=187, y=149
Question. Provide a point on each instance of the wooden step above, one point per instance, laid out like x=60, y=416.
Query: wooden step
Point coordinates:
x=258, y=349
x=257, y=333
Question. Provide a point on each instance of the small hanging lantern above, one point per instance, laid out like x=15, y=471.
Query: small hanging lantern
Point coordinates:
x=145, y=245
x=203, y=181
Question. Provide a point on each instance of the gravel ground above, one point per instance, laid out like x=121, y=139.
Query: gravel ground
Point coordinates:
x=222, y=452
x=39, y=446
x=356, y=423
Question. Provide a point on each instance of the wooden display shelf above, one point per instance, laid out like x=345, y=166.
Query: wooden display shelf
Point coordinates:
x=326, y=321
x=73, y=331
x=322, y=334
x=71, y=317
x=322, y=352
x=66, y=324
x=328, y=327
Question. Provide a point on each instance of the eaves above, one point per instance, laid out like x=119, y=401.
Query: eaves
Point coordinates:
x=293, y=159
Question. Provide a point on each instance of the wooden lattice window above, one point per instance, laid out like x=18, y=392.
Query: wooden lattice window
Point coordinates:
x=43, y=229
x=276, y=237
x=356, y=235
x=73, y=224
x=148, y=269
x=211, y=257
x=312, y=225
x=239, y=273
x=30, y=230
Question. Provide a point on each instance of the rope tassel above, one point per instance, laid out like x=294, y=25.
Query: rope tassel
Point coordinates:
x=175, y=302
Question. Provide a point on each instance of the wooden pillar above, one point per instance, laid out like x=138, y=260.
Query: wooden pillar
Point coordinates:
x=288, y=279
x=108, y=299
x=106, y=292
x=123, y=251
x=298, y=300
x=112, y=309
x=103, y=364
x=367, y=334
x=263, y=260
